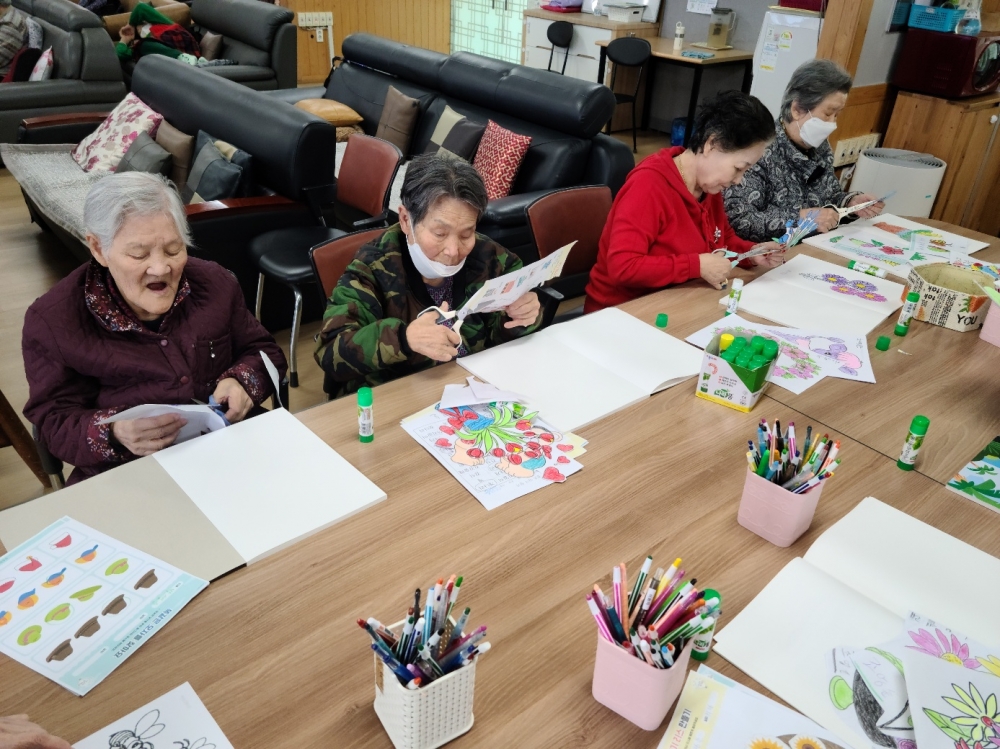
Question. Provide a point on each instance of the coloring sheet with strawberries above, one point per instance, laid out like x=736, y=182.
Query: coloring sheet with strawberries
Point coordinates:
x=74, y=603
x=498, y=451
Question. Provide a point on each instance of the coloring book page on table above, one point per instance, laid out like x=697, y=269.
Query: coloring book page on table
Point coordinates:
x=177, y=720
x=979, y=480
x=805, y=357
x=714, y=712
x=498, y=451
x=816, y=295
x=74, y=603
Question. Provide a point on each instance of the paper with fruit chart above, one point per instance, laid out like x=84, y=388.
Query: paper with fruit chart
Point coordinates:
x=177, y=719
x=74, y=603
x=498, y=451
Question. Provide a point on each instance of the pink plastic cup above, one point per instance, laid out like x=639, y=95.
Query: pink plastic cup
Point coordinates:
x=775, y=514
x=991, y=325
x=635, y=690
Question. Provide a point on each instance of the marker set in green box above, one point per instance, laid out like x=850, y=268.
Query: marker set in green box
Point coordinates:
x=735, y=369
x=750, y=359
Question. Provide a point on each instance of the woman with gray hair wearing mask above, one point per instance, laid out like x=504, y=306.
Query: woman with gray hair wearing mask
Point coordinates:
x=141, y=323
x=795, y=176
x=374, y=330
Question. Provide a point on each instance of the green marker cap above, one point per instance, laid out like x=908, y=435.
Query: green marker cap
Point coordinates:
x=770, y=349
x=919, y=425
x=364, y=397
x=661, y=320
x=758, y=361
x=883, y=342
x=728, y=355
x=757, y=343
x=738, y=343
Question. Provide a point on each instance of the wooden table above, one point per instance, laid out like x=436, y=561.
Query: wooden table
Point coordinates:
x=273, y=650
x=663, y=49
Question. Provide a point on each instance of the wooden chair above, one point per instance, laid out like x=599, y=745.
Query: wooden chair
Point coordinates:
x=14, y=434
x=628, y=52
x=575, y=214
x=330, y=259
x=364, y=185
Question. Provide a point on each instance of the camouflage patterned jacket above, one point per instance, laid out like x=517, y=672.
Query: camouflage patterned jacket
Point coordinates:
x=363, y=339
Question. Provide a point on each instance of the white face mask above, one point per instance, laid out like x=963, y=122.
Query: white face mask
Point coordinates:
x=428, y=268
x=814, y=131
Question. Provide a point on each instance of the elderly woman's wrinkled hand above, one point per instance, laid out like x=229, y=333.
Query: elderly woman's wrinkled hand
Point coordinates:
x=715, y=269
x=143, y=437
x=437, y=342
x=523, y=311
x=871, y=211
x=826, y=219
x=773, y=260
x=230, y=393
x=17, y=732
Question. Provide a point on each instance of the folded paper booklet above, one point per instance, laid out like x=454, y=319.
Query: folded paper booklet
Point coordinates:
x=177, y=719
x=714, y=712
x=980, y=479
x=200, y=419
x=74, y=603
x=615, y=359
x=856, y=586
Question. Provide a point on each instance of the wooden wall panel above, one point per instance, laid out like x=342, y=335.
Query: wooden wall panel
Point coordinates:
x=843, y=32
x=422, y=23
x=868, y=111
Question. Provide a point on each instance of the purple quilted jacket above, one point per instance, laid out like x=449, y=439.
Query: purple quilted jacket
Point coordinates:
x=87, y=356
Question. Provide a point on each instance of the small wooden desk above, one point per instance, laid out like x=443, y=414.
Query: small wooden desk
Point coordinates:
x=663, y=49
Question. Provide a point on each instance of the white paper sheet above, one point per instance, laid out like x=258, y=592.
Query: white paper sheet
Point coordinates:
x=818, y=295
x=178, y=720
x=476, y=393
x=616, y=361
x=502, y=291
x=200, y=419
x=268, y=482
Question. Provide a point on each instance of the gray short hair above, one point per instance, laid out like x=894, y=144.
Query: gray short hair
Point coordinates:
x=431, y=177
x=114, y=199
x=812, y=82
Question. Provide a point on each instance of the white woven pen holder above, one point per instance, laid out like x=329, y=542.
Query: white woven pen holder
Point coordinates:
x=427, y=717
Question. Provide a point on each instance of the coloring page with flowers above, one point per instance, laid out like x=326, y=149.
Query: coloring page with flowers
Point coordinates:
x=980, y=479
x=498, y=451
x=816, y=295
x=805, y=357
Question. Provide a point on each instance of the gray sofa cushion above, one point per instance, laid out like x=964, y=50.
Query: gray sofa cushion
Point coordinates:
x=243, y=53
x=249, y=21
x=66, y=15
x=67, y=49
x=243, y=73
x=59, y=93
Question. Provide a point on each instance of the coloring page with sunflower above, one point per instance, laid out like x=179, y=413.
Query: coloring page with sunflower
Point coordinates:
x=980, y=479
x=498, y=451
x=813, y=294
x=953, y=706
x=715, y=712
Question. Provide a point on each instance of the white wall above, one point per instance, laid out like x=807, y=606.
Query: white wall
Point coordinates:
x=879, y=51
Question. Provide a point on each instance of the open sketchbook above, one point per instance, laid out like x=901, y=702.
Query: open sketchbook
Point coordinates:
x=854, y=587
x=580, y=371
x=817, y=295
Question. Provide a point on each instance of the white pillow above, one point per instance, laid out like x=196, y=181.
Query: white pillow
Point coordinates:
x=43, y=68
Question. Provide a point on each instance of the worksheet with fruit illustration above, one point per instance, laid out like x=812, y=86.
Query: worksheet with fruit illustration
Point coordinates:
x=74, y=603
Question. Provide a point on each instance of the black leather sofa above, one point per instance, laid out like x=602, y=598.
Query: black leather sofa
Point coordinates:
x=293, y=153
x=86, y=75
x=562, y=115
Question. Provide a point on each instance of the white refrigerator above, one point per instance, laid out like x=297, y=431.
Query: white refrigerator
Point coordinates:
x=787, y=39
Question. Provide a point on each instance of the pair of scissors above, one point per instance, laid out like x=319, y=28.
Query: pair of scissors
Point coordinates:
x=845, y=212
x=736, y=258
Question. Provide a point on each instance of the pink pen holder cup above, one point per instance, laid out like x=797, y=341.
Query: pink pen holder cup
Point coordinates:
x=635, y=690
x=991, y=325
x=427, y=717
x=775, y=514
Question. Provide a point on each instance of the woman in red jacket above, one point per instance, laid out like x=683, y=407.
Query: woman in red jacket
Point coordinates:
x=668, y=217
x=141, y=323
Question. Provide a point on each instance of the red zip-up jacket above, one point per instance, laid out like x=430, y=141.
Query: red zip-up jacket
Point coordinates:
x=655, y=232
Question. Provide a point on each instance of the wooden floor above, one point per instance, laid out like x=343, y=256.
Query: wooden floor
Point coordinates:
x=32, y=261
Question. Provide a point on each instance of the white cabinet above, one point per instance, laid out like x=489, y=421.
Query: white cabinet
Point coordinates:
x=583, y=50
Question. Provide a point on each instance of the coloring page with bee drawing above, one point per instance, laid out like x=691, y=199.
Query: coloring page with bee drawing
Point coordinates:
x=75, y=603
x=816, y=295
x=498, y=451
x=177, y=720
x=714, y=712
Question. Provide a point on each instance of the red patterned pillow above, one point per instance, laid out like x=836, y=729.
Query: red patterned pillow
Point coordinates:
x=104, y=148
x=499, y=157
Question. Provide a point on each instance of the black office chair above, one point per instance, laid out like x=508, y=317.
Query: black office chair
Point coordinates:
x=560, y=34
x=628, y=52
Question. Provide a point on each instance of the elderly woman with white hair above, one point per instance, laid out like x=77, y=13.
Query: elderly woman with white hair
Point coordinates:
x=140, y=323
x=795, y=178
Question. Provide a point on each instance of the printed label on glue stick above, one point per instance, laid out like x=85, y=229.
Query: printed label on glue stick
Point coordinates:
x=735, y=291
x=910, y=448
x=366, y=421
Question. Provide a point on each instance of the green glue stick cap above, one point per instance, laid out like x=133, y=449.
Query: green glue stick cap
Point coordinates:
x=661, y=320
x=883, y=343
x=364, y=397
x=757, y=343
x=738, y=343
x=919, y=425
x=770, y=349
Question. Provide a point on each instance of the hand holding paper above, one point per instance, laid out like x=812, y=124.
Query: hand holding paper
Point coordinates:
x=144, y=430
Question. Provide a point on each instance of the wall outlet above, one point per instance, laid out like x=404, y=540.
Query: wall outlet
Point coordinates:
x=319, y=35
x=315, y=20
x=848, y=150
x=840, y=152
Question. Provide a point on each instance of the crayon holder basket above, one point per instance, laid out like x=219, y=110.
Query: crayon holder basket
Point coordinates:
x=775, y=514
x=427, y=717
x=991, y=325
x=635, y=690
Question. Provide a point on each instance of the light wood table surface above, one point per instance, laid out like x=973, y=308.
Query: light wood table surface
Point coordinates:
x=273, y=649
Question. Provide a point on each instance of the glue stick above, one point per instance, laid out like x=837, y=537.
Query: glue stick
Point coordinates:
x=914, y=440
x=734, y=296
x=678, y=36
x=906, y=314
x=703, y=640
x=366, y=419
x=871, y=270
x=726, y=340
